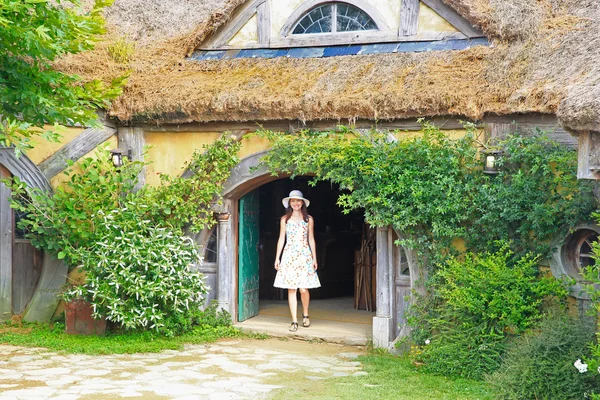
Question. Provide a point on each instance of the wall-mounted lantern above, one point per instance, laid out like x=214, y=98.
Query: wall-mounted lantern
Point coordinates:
x=490, y=164
x=116, y=156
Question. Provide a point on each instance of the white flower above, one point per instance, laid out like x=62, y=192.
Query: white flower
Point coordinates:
x=599, y=370
x=429, y=341
x=581, y=367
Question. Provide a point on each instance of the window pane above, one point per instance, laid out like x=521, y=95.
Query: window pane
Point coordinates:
x=317, y=20
x=350, y=18
x=210, y=254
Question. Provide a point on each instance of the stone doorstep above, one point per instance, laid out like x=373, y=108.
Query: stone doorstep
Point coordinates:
x=304, y=335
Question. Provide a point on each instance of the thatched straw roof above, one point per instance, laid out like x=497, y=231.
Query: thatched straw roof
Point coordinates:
x=544, y=58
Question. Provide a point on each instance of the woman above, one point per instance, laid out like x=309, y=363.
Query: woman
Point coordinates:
x=298, y=266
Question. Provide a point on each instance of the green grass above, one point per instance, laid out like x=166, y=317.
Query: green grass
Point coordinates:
x=389, y=377
x=53, y=336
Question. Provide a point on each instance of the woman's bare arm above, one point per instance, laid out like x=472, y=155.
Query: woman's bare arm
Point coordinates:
x=311, y=241
x=280, y=242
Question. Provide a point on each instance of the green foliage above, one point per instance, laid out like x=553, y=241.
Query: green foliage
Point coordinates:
x=431, y=188
x=121, y=50
x=32, y=35
x=477, y=302
x=183, y=202
x=535, y=198
x=539, y=365
x=421, y=186
x=131, y=248
x=591, y=287
x=138, y=275
x=73, y=217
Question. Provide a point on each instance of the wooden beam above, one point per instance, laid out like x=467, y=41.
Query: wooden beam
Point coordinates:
x=527, y=125
x=134, y=140
x=241, y=16
x=24, y=168
x=6, y=236
x=264, y=23
x=454, y=18
x=362, y=37
x=291, y=126
x=87, y=141
x=409, y=17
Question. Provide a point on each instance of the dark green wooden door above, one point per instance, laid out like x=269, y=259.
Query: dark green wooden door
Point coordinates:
x=248, y=278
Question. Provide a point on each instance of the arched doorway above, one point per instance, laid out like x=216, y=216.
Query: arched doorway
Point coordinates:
x=337, y=236
x=246, y=178
x=340, y=301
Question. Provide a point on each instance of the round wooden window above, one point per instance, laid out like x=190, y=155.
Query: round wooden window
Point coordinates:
x=578, y=250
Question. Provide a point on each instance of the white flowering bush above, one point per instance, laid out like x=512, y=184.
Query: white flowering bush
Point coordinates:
x=138, y=275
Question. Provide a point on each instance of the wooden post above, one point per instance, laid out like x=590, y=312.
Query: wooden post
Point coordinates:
x=6, y=222
x=224, y=268
x=263, y=22
x=134, y=140
x=588, y=158
x=409, y=17
x=382, y=322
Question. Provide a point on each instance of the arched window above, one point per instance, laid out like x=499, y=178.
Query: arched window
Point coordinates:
x=210, y=252
x=334, y=17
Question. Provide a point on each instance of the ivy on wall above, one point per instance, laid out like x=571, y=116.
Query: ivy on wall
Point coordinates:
x=432, y=190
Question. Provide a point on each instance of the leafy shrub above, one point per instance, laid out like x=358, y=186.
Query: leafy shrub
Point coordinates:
x=138, y=275
x=478, y=301
x=539, y=365
x=130, y=244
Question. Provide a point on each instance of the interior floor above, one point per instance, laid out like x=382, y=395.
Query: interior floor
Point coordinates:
x=332, y=320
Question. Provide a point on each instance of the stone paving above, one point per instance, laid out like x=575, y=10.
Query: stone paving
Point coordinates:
x=240, y=369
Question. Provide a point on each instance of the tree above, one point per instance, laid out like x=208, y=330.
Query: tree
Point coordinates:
x=33, y=95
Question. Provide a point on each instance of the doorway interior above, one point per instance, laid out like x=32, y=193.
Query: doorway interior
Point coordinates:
x=339, y=239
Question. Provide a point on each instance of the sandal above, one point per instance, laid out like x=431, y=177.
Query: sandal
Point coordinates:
x=294, y=327
x=305, y=321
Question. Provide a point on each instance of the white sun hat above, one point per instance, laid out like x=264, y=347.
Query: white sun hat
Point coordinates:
x=295, y=194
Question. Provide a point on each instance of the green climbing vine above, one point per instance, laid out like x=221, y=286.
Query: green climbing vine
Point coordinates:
x=431, y=189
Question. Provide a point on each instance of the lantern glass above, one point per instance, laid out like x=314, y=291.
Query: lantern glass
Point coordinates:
x=117, y=158
x=490, y=165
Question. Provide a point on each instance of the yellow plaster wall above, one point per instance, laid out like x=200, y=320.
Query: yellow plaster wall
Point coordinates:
x=169, y=151
x=42, y=149
x=62, y=178
x=430, y=21
x=252, y=146
x=280, y=11
x=247, y=35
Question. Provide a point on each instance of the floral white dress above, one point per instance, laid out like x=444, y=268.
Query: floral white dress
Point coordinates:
x=296, y=270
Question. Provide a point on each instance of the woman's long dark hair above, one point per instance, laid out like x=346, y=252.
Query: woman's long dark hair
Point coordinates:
x=289, y=210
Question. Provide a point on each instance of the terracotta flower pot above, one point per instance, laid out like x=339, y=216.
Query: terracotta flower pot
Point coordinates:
x=79, y=321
